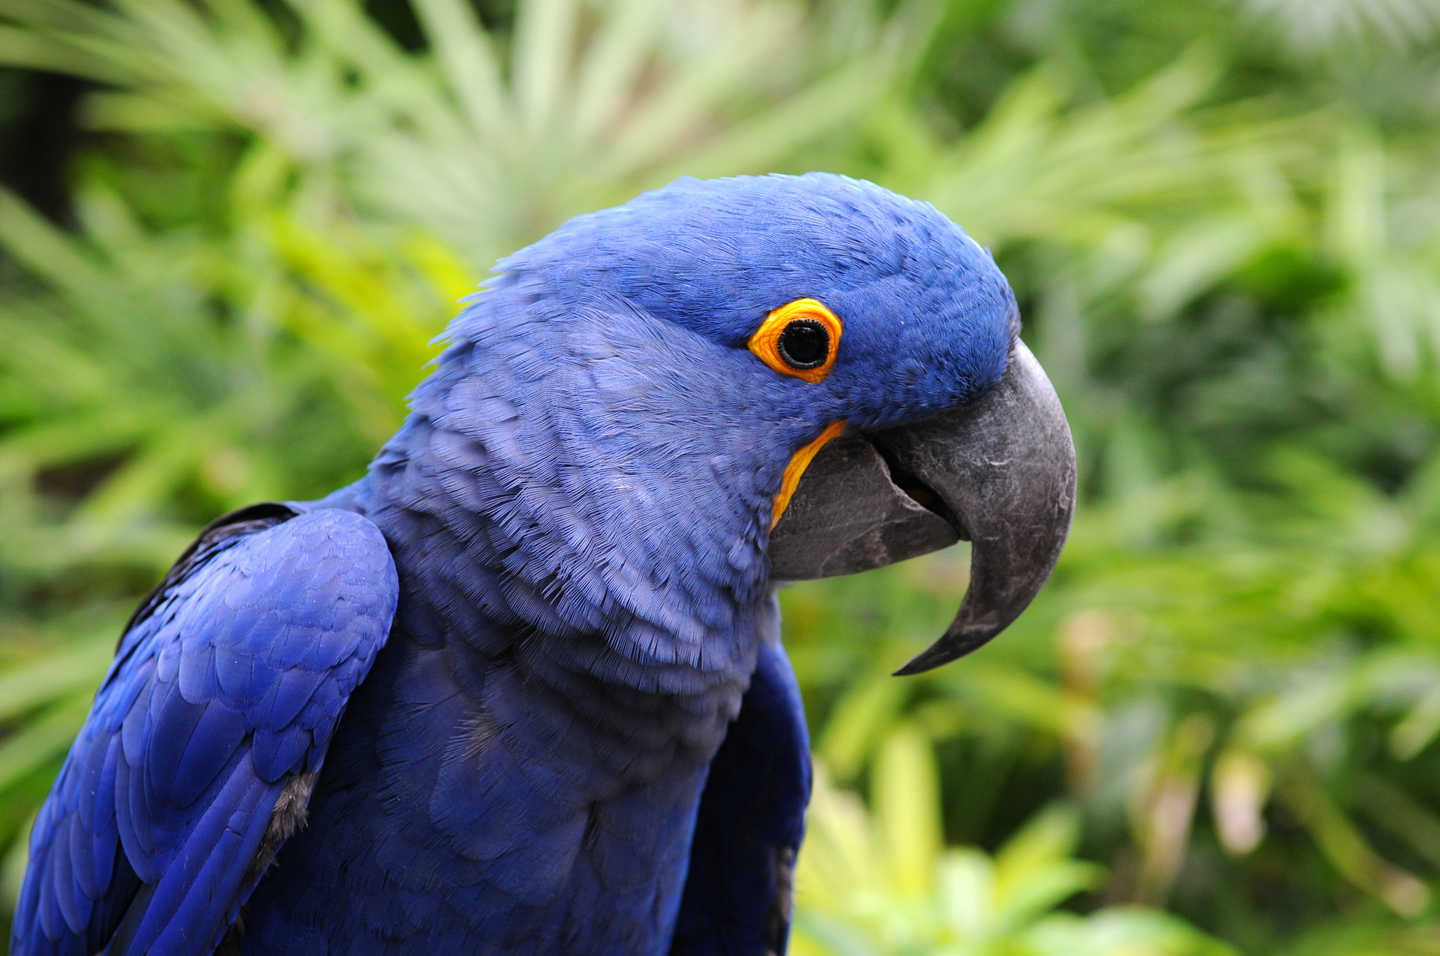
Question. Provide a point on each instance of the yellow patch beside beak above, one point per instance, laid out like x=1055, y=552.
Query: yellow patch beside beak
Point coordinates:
x=798, y=463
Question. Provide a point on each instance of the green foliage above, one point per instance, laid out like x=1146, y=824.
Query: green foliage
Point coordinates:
x=1220, y=219
x=886, y=884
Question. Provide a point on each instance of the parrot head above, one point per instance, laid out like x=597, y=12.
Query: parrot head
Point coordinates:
x=807, y=376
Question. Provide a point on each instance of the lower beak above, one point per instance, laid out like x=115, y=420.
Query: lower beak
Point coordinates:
x=999, y=472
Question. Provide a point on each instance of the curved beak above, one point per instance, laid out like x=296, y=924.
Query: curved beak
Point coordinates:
x=999, y=472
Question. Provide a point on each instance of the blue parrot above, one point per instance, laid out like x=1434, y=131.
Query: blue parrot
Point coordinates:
x=520, y=689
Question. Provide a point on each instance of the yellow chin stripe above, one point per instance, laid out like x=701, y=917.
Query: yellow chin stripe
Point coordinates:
x=798, y=463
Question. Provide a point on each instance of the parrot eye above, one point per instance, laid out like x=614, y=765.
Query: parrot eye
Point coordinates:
x=800, y=339
x=804, y=344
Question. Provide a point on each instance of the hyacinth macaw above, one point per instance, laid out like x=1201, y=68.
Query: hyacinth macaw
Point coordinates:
x=520, y=689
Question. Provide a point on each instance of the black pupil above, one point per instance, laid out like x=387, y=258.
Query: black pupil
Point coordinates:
x=804, y=344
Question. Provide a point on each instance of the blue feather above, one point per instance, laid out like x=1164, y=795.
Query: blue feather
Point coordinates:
x=164, y=767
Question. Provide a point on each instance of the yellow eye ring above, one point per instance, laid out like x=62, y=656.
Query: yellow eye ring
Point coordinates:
x=800, y=339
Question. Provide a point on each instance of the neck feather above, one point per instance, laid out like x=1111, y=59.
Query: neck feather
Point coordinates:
x=593, y=487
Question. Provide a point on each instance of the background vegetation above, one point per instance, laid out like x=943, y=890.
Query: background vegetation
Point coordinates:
x=232, y=227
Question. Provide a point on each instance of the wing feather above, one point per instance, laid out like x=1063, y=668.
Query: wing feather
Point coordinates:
x=225, y=690
x=750, y=823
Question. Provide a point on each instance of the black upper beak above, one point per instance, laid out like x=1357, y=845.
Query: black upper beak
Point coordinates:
x=999, y=472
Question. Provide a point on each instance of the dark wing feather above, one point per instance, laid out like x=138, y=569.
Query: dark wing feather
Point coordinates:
x=217, y=710
x=752, y=817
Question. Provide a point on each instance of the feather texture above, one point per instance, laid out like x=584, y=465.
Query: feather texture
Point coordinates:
x=226, y=687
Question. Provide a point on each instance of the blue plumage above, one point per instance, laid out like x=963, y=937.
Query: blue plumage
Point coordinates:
x=750, y=823
x=578, y=733
x=225, y=690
